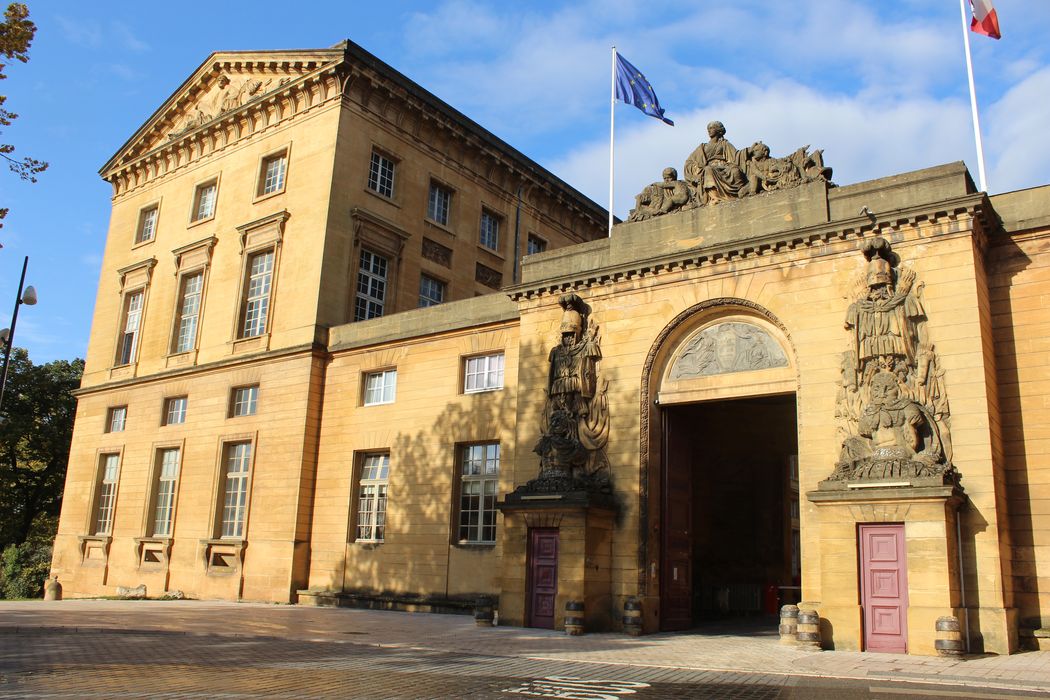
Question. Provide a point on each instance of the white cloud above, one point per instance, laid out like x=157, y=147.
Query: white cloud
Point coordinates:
x=1016, y=146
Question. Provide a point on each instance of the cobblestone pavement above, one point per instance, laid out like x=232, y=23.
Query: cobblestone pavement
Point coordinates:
x=132, y=649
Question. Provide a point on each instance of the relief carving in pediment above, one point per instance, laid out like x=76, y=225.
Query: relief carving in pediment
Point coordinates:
x=728, y=347
x=226, y=94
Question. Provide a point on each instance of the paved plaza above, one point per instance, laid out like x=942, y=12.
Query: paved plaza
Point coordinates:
x=140, y=649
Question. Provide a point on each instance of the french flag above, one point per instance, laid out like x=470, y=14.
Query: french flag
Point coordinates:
x=984, y=21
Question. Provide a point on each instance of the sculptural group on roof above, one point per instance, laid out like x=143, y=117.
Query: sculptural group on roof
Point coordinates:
x=718, y=171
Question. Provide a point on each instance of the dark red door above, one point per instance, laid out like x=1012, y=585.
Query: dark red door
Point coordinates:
x=884, y=587
x=676, y=571
x=543, y=576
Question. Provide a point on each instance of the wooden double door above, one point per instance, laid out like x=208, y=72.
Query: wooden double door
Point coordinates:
x=542, y=578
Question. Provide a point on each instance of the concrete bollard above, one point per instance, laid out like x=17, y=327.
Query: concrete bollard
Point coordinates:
x=574, y=617
x=632, y=617
x=52, y=589
x=789, y=625
x=483, y=614
x=809, y=630
x=949, y=641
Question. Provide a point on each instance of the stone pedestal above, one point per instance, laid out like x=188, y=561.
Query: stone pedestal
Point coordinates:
x=929, y=517
x=585, y=524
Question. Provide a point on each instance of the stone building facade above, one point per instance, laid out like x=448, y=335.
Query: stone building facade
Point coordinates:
x=763, y=389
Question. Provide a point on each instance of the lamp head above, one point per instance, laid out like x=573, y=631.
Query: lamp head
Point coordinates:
x=29, y=296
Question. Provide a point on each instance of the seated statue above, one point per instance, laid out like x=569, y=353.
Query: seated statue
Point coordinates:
x=716, y=169
x=661, y=197
x=897, y=437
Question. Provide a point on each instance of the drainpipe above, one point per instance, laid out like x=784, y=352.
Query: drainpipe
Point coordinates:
x=516, y=274
x=962, y=576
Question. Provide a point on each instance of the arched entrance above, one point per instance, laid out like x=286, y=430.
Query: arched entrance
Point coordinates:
x=720, y=467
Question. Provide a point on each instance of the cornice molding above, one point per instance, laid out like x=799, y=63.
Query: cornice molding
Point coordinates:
x=721, y=256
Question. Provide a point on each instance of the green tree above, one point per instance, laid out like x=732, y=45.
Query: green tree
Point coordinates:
x=16, y=34
x=36, y=429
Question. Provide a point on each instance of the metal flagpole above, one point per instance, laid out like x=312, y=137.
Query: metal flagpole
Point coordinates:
x=612, y=129
x=973, y=95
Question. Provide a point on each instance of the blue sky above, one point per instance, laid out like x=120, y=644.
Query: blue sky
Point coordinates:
x=880, y=86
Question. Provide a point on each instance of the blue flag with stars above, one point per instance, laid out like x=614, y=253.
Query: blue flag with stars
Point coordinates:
x=633, y=89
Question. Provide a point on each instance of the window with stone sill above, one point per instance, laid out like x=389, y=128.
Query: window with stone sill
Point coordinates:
x=535, y=245
x=128, y=342
x=272, y=174
x=483, y=373
x=243, y=401
x=370, y=297
x=381, y=175
x=106, y=500
x=175, y=410
x=478, y=488
x=372, y=497
x=187, y=313
x=439, y=203
x=256, y=304
x=236, y=469
x=116, y=417
x=147, y=226
x=380, y=387
x=489, y=236
x=431, y=291
x=204, y=201
x=164, y=489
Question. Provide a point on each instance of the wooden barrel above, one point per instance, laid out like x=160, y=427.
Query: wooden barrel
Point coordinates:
x=632, y=617
x=483, y=607
x=808, y=629
x=949, y=641
x=574, y=617
x=789, y=625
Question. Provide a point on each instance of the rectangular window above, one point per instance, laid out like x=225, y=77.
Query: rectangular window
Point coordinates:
x=371, y=286
x=381, y=175
x=479, y=482
x=535, y=245
x=175, y=410
x=167, y=481
x=107, y=494
x=489, y=230
x=204, y=201
x=257, y=294
x=188, y=312
x=380, y=387
x=147, y=225
x=129, y=336
x=440, y=199
x=371, y=499
x=431, y=291
x=235, y=489
x=243, y=400
x=271, y=175
x=483, y=373
x=116, y=418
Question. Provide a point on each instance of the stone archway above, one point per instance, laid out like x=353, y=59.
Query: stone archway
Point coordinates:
x=721, y=350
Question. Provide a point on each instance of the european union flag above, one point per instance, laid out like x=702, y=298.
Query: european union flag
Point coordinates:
x=633, y=89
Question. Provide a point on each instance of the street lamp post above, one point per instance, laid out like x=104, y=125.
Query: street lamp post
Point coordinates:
x=7, y=335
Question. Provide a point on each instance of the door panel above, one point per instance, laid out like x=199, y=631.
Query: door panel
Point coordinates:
x=542, y=589
x=676, y=571
x=884, y=587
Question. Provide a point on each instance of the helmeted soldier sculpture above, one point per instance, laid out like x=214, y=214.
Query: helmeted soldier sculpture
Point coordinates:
x=575, y=423
x=892, y=402
x=717, y=171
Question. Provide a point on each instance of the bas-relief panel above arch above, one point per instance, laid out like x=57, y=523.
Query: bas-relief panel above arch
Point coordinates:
x=726, y=356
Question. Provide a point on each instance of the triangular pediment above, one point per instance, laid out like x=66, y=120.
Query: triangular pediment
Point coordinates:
x=223, y=84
